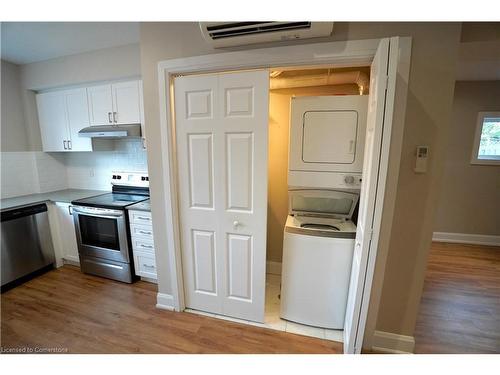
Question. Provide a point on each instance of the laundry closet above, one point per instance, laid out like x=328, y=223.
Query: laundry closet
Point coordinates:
x=317, y=125
x=269, y=167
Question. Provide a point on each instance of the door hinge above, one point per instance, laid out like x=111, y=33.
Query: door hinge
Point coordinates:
x=370, y=234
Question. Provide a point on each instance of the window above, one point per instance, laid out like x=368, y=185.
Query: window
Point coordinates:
x=486, y=149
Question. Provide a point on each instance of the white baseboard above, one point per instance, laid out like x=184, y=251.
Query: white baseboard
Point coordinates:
x=274, y=268
x=387, y=342
x=165, y=302
x=473, y=239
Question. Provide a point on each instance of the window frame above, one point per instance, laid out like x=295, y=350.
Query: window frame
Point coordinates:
x=477, y=138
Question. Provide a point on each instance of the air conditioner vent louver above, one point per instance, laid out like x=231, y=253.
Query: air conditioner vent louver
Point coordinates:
x=249, y=28
x=227, y=34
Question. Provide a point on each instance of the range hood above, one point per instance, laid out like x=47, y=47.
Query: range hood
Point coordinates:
x=111, y=131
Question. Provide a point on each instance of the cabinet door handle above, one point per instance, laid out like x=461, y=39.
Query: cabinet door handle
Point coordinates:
x=148, y=266
x=144, y=218
x=109, y=118
x=145, y=232
x=64, y=145
x=114, y=116
x=70, y=147
x=70, y=211
x=146, y=246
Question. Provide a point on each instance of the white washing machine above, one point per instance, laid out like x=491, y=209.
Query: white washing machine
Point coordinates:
x=327, y=135
x=318, y=248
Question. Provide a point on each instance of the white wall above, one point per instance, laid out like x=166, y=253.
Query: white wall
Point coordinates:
x=31, y=172
x=13, y=133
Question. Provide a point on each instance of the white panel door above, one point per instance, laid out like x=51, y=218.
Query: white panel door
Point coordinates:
x=244, y=117
x=196, y=128
x=78, y=118
x=126, y=102
x=53, y=121
x=100, y=105
x=354, y=323
x=221, y=132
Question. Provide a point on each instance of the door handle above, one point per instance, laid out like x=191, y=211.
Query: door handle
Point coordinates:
x=64, y=145
x=109, y=118
x=70, y=147
x=236, y=224
x=114, y=116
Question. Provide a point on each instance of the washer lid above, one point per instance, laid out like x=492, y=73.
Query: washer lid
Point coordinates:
x=326, y=203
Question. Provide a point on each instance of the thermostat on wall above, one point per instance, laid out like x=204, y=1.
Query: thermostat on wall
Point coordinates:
x=421, y=159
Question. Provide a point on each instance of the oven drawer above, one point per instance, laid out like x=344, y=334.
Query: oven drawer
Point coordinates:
x=140, y=217
x=143, y=244
x=145, y=264
x=145, y=231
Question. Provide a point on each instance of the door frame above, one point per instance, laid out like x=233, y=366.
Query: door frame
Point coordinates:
x=341, y=54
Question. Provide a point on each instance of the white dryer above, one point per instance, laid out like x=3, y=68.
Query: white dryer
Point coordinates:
x=327, y=135
x=318, y=248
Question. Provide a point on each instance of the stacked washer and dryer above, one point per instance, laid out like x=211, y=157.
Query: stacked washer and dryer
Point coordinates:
x=324, y=179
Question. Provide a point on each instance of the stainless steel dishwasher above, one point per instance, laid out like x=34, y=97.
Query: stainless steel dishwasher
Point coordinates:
x=26, y=242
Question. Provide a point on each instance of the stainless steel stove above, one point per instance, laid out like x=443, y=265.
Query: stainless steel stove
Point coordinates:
x=101, y=224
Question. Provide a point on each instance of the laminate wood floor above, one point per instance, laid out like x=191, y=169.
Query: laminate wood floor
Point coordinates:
x=460, y=307
x=65, y=308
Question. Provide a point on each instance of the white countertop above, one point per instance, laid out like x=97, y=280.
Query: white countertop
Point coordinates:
x=65, y=196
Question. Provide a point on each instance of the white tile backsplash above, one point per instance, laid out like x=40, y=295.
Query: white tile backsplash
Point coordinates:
x=93, y=170
x=38, y=172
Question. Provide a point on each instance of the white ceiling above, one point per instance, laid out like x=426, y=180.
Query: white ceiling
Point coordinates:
x=26, y=42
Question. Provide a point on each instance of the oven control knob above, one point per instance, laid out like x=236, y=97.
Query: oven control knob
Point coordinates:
x=349, y=180
x=119, y=177
x=114, y=177
x=143, y=178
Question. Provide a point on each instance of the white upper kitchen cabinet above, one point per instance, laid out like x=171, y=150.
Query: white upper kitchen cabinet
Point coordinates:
x=100, y=105
x=78, y=118
x=53, y=120
x=115, y=104
x=62, y=114
x=126, y=102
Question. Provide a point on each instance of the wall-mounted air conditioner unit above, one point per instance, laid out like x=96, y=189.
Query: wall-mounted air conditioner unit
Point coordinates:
x=230, y=34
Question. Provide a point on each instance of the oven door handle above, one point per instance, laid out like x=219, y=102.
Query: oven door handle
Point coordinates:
x=105, y=216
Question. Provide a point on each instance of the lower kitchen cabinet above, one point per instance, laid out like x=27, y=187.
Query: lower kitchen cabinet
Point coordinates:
x=63, y=232
x=141, y=232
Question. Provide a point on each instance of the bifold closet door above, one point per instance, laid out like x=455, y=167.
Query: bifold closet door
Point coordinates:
x=354, y=324
x=221, y=134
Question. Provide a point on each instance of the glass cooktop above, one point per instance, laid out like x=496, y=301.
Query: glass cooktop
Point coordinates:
x=111, y=200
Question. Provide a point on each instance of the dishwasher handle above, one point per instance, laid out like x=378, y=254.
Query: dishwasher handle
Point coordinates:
x=17, y=213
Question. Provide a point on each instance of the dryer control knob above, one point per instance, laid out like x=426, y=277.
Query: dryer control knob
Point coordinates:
x=349, y=180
